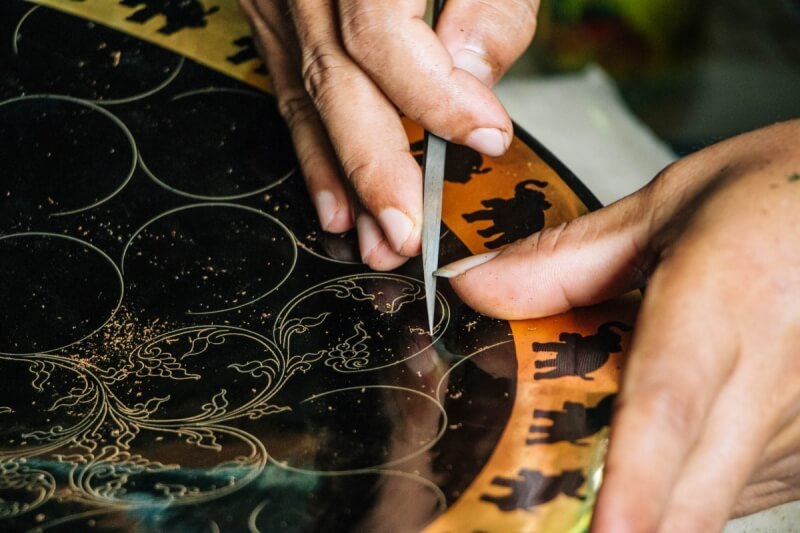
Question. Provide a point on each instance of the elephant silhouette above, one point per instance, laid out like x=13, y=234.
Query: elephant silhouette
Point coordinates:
x=179, y=14
x=573, y=423
x=513, y=218
x=531, y=488
x=577, y=355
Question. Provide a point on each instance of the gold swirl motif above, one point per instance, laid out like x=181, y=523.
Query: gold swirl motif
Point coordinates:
x=352, y=353
x=18, y=477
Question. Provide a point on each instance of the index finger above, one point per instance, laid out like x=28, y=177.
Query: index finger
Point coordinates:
x=395, y=46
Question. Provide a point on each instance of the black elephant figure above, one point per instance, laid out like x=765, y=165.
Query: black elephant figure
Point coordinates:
x=571, y=424
x=179, y=14
x=461, y=163
x=513, y=218
x=247, y=52
x=577, y=355
x=531, y=488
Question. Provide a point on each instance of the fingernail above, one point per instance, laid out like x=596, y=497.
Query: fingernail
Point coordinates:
x=474, y=63
x=369, y=235
x=462, y=265
x=327, y=206
x=397, y=227
x=488, y=141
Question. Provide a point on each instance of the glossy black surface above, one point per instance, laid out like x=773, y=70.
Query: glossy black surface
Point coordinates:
x=60, y=54
x=60, y=155
x=181, y=347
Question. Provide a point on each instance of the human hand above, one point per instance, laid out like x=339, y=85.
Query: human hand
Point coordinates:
x=706, y=424
x=343, y=69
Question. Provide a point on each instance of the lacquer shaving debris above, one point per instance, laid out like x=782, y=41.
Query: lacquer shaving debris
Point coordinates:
x=117, y=339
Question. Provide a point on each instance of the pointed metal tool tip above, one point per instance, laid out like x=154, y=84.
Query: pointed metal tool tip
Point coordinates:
x=430, y=294
x=433, y=186
x=430, y=324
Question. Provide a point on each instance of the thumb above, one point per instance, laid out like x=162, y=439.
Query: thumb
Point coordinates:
x=485, y=38
x=582, y=262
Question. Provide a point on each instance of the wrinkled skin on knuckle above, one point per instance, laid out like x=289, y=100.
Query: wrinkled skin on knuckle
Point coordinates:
x=320, y=69
x=776, y=480
x=295, y=107
x=363, y=27
x=364, y=172
x=424, y=110
x=679, y=192
x=668, y=195
x=771, y=495
x=714, y=173
x=551, y=240
x=377, y=178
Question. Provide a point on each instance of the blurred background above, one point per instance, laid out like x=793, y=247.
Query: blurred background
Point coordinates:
x=618, y=89
x=693, y=71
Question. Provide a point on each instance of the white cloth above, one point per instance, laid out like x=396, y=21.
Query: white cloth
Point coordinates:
x=583, y=121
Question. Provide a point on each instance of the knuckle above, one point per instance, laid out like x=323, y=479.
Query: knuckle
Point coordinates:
x=362, y=171
x=295, y=107
x=319, y=71
x=366, y=169
x=553, y=240
x=558, y=239
x=429, y=111
x=362, y=28
x=558, y=236
x=367, y=178
x=659, y=197
x=664, y=181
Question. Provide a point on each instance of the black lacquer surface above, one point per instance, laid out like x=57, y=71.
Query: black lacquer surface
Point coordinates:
x=181, y=347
